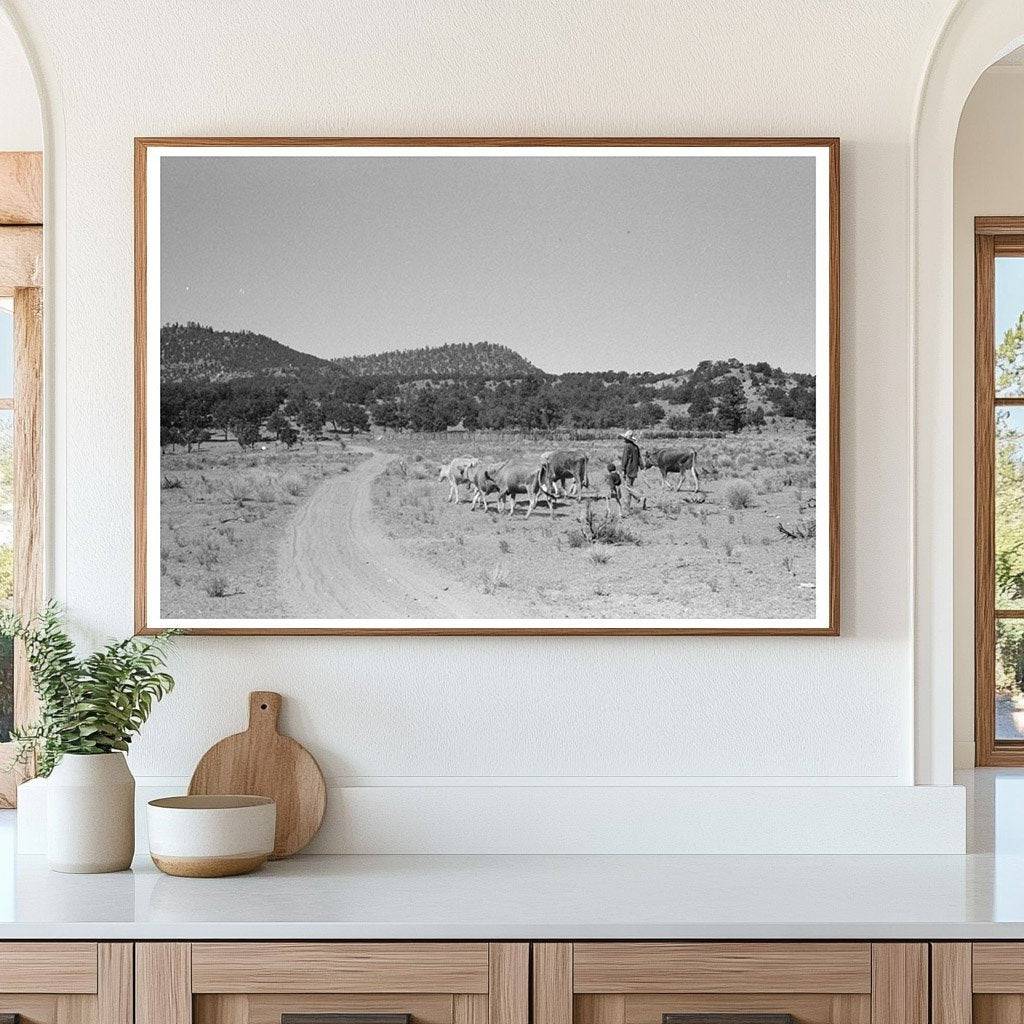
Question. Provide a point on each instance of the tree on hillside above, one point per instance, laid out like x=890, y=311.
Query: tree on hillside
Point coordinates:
x=311, y=418
x=295, y=401
x=701, y=408
x=276, y=422
x=288, y=436
x=391, y=412
x=732, y=405
x=756, y=418
x=352, y=417
x=222, y=415
x=801, y=403
x=649, y=413
x=247, y=434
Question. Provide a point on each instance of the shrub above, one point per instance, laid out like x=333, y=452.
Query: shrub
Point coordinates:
x=293, y=485
x=800, y=529
x=216, y=586
x=599, y=530
x=600, y=557
x=170, y=483
x=494, y=580
x=240, y=490
x=738, y=494
x=264, y=488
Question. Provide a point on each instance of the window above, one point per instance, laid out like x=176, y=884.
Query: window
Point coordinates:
x=20, y=494
x=999, y=490
x=21, y=366
x=6, y=510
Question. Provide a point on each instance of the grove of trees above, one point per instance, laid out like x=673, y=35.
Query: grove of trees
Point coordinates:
x=206, y=393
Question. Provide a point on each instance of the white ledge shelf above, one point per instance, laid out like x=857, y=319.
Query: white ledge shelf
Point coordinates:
x=530, y=897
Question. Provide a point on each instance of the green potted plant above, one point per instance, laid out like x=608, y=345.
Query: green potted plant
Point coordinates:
x=89, y=710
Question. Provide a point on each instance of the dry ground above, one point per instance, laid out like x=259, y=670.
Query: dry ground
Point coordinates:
x=681, y=558
x=223, y=513
x=329, y=531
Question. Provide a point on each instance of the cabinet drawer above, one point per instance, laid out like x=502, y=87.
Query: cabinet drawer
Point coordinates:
x=262, y=982
x=340, y=967
x=630, y=967
x=48, y=967
x=749, y=982
x=66, y=982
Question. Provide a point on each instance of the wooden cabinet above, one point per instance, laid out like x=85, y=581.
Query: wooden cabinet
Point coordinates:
x=494, y=983
x=66, y=982
x=260, y=982
x=979, y=982
x=647, y=982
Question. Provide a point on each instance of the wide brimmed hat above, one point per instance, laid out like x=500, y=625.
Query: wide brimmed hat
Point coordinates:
x=629, y=435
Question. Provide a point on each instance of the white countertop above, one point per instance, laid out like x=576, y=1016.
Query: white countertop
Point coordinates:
x=532, y=897
x=978, y=896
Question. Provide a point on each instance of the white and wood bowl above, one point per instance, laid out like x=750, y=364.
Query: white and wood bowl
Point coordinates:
x=211, y=836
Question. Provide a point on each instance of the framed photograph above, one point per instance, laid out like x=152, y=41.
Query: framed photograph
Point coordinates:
x=487, y=386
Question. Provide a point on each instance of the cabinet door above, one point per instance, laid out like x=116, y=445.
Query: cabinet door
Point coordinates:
x=737, y=982
x=332, y=983
x=981, y=982
x=66, y=982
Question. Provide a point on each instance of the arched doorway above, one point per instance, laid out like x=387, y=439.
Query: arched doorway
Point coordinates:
x=975, y=35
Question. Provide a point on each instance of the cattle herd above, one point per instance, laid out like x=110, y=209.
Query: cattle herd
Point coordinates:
x=555, y=474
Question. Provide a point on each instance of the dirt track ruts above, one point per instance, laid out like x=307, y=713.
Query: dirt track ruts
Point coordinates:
x=334, y=563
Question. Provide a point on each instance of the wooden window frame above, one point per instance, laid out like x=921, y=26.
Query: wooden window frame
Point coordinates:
x=21, y=269
x=993, y=237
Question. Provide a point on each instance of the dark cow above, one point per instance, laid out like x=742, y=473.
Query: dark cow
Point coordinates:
x=518, y=477
x=567, y=464
x=673, y=460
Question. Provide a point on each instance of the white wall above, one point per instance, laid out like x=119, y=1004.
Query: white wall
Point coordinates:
x=988, y=181
x=441, y=714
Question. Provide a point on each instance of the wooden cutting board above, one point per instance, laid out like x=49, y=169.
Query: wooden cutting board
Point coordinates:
x=262, y=762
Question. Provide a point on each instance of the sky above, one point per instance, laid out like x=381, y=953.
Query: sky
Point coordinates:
x=577, y=263
x=1009, y=293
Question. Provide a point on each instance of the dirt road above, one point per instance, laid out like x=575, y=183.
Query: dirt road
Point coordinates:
x=334, y=563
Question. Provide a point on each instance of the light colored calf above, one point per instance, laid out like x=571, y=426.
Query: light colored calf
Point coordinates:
x=457, y=472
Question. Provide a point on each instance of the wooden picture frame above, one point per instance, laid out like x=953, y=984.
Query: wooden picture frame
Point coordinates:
x=825, y=621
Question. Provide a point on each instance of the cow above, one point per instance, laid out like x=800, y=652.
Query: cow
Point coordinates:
x=566, y=464
x=518, y=477
x=482, y=483
x=456, y=472
x=673, y=460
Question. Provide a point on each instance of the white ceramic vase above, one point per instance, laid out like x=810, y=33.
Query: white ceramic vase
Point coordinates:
x=90, y=814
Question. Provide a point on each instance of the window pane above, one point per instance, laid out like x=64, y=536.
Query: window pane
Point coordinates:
x=1009, y=679
x=6, y=349
x=6, y=567
x=1009, y=486
x=1009, y=325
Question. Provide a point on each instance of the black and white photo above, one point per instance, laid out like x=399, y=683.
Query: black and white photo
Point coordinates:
x=461, y=387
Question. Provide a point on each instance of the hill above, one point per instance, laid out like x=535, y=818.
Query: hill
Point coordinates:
x=227, y=378
x=444, y=362
x=192, y=352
